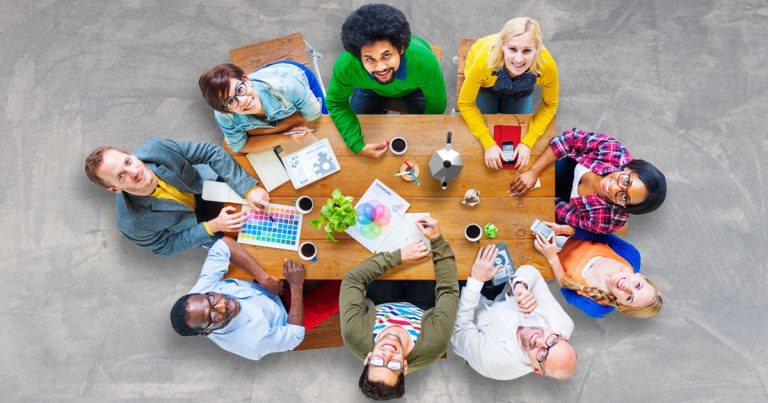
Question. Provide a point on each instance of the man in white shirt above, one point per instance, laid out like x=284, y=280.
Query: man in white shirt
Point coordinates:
x=523, y=330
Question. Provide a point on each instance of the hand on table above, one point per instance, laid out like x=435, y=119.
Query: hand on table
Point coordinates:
x=493, y=158
x=293, y=272
x=374, y=150
x=228, y=220
x=521, y=156
x=429, y=227
x=414, y=252
x=524, y=182
x=258, y=198
x=482, y=269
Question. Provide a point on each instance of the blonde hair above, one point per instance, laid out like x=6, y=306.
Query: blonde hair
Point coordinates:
x=648, y=311
x=514, y=27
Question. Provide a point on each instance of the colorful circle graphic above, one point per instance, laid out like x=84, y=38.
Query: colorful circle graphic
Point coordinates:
x=371, y=217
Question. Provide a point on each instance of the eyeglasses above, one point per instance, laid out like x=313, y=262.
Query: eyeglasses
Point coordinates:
x=232, y=102
x=541, y=355
x=393, y=365
x=212, y=301
x=624, y=181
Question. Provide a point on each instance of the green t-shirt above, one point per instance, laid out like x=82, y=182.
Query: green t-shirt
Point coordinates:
x=422, y=71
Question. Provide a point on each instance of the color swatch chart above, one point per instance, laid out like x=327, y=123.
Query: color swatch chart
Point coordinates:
x=282, y=233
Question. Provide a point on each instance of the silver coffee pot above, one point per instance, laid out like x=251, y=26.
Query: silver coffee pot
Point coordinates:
x=446, y=164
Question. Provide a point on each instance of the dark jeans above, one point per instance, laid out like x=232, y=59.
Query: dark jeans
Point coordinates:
x=564, y=178
x=367, y=102
x=418, y=292
x=314, y=85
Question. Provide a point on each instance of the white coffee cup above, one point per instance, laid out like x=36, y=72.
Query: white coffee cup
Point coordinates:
x=302, y=203
x=308, y=251
x=473, y=232
x=396, y=143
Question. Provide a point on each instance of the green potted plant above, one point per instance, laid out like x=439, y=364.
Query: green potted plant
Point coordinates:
x=336, y=215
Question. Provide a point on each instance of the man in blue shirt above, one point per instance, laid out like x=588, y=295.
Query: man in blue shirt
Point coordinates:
x=244, y=318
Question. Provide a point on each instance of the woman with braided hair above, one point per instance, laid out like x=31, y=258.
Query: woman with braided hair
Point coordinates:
x=599, y=273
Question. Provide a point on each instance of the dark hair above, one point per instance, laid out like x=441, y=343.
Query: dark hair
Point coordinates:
x=374, y=22
x=655, y=183
x=380, y=390
x=93, y=162
x=179, y=317
x=214, y=84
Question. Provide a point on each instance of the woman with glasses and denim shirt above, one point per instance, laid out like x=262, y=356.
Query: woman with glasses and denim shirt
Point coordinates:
x=276, y=98
x=600, y=273
x=597, y=182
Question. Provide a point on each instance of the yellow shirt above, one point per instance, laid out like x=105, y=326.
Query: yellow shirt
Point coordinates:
x=168, y=192
x=477, y=75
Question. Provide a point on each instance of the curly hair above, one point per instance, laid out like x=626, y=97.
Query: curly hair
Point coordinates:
x=380, y=390
x=374, y=22
x=179, y=317
x=654, y=181
x=648, y=311
x=214, y=84
x=93, y=162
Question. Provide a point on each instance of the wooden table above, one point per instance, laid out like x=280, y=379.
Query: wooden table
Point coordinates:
x=425, y=134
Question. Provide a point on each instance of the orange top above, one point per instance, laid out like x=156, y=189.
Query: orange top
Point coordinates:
x=577, y=253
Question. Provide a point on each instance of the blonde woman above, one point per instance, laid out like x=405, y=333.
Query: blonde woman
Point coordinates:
x=599, y=273
x=501, y=72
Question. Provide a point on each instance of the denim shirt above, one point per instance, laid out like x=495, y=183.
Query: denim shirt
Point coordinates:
x=283, y=90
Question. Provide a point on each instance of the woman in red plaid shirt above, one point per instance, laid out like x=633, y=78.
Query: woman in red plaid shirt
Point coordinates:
x=598, y=184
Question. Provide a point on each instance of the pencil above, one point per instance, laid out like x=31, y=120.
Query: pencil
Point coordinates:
x=297, y=132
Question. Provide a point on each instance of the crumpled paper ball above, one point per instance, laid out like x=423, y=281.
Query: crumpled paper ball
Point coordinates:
x=471, y=198
x=491, y=231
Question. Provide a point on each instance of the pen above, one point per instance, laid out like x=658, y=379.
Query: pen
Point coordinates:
x=265, y=212
x=297, y=132
x=413, y=174
x=403, y=173
x=427, y=224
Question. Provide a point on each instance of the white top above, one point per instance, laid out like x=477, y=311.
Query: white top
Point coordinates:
x=578, y=172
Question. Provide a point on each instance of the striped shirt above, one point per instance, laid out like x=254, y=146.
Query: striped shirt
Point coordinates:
x=403, y=314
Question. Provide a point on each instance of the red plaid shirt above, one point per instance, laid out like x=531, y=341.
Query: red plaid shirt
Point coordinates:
x=602, y=154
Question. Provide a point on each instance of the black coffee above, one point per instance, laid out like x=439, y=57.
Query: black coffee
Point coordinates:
x=307, y=250
x=398, y=145
x=473, y=231
x=305, y=203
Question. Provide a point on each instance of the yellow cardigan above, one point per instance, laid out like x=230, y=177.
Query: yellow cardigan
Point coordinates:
x=477, y=74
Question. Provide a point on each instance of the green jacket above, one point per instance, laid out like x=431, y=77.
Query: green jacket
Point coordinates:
x=422, y=71
x=358, y=313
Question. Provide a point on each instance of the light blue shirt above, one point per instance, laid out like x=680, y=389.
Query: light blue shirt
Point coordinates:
x=283, y=89
x=261, y=327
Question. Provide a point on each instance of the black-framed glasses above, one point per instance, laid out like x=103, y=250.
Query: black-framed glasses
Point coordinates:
x=550, y=342
x=624, y=181
x=232, y=102
x=212, y=300
x=393, y=365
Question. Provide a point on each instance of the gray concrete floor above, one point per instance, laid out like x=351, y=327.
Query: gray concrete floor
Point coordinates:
x=85, y=312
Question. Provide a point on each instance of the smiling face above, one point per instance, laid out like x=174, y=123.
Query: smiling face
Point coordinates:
x=623, y=188
x=389, y=347
x=210, y=311
x=630, y=289
x=560, y=360
x=241, y=97
x=382, y=59
x=519, y=52
x=123, y=172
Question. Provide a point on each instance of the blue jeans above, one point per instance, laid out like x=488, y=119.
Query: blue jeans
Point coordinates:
x=367, y=102
x=314, y=85
x=418, y=292
x=489, y=103
x=564, y=177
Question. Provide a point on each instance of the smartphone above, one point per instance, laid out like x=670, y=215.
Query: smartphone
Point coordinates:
x=540, y=228
x=507, y=150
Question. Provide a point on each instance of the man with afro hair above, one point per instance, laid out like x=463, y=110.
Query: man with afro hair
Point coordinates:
x=382, y=60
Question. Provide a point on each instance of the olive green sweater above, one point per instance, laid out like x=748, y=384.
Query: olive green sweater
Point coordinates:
x=358, y=313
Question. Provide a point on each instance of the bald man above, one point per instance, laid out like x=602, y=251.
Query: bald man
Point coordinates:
x=523, y=330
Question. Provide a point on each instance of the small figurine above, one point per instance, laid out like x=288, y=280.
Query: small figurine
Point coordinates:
x=491, y=231
x=471, y=198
